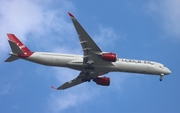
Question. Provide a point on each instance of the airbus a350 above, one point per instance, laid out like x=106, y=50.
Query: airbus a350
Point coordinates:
x=93, y=64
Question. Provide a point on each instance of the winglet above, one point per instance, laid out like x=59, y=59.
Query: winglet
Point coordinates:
x=71, y=15
x=53, y=88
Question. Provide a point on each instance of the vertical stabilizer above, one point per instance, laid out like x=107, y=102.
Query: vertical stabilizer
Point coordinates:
x=14, y=39
x=19, y=50
x=15, y=48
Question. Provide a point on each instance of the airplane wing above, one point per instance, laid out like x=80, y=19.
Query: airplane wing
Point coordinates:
x=71, y=83
x=77, y=80
x=89, y=47
x=91, y=53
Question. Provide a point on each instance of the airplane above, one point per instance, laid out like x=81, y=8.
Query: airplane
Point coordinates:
x=92, y=65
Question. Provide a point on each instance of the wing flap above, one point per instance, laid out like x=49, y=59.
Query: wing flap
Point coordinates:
x=71, y=83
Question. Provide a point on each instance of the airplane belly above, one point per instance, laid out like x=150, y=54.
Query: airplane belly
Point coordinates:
x=78, y=65
x=132, y=68
x=136, y=68
x=102, y=68
x=49, y=59
x=61, y=61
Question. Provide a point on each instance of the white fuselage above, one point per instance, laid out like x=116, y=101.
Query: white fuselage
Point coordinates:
x=121, y=65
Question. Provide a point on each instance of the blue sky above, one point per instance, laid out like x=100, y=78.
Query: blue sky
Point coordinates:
x=137, y=29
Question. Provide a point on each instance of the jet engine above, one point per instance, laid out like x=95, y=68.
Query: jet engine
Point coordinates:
x=102, y=80
x=112, y=57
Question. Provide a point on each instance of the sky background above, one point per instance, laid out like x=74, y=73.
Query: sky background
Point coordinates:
x=137, y=29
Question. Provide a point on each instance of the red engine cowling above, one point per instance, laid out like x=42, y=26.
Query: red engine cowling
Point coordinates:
x=112, y=57
x=104, y=81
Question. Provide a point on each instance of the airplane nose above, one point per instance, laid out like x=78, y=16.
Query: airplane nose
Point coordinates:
x=168, y=71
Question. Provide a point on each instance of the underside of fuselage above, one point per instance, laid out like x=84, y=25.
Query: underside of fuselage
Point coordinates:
x=76, y=62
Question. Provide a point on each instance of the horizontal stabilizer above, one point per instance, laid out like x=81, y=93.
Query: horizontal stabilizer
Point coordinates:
x=15, y=48
x=11, y=58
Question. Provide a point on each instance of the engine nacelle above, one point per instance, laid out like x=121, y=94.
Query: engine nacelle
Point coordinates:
x=104, y=81
x=112, y=57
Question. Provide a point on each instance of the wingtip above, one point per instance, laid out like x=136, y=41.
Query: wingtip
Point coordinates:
x=71, y=15
x=53, y=88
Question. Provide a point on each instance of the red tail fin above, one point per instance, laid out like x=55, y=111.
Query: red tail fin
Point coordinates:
x=13, y=38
